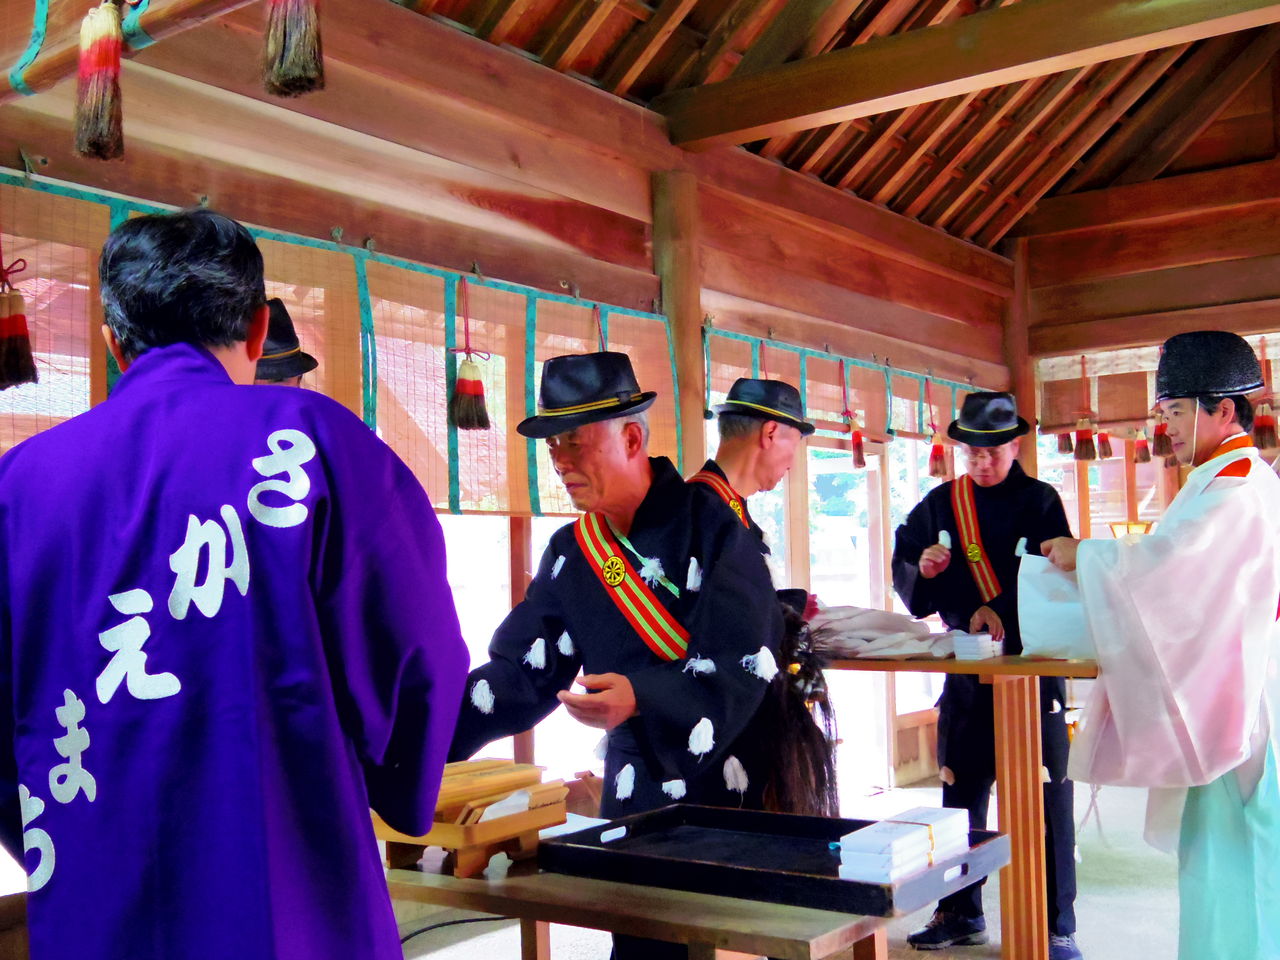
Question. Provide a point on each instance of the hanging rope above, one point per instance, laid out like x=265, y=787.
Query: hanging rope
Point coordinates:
x=764, y=361
x=467, y=410
x=464, y=308
x=598, y=318
x=9, y=270
x=888, y=398
x=706, y=357
x=855, y=435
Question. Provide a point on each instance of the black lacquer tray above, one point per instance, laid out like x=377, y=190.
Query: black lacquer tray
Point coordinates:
x=774, y=857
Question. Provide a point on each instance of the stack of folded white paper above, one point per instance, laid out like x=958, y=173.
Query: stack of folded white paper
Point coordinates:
x=976, y=646
x=888, y=850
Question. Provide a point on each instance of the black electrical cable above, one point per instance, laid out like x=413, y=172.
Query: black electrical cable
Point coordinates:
x=449, y=923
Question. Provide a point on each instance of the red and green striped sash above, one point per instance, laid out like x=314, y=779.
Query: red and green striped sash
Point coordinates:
x=971, y=538
x=660, y=631
x=726, y=492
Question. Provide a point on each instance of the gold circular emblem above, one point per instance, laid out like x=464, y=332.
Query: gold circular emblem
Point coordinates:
x=973, y=552
x=614, y=571
x=736, y=507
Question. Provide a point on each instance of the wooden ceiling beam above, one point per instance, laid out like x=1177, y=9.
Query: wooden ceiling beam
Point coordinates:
x=1173, y=94
x=1031, y=189
x=643, y=45
x=575, y=31
x=727, y=34
x=499, y=18
x=788, y=32
x=1149, y=329
x=1221, y=90
x=1168, y=197
x=1028, y=39
x=60, y=56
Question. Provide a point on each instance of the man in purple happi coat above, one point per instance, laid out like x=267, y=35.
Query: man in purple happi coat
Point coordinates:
x=225, y=634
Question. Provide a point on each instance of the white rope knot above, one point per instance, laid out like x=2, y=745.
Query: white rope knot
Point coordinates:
x=651, y=570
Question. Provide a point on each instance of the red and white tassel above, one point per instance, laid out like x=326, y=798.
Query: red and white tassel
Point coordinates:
x=1141, y=449
x=1065, y=446
x=294, y=59
x=855, y=442
x=937, y=459
x=99, y=118
x=1085, y=449
x=1264, y=427
x=467, y=410
x=1104, y=445
x=17, y=365
x=1162, y=446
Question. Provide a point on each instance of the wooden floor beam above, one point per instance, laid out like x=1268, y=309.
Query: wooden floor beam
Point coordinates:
x=994, y=47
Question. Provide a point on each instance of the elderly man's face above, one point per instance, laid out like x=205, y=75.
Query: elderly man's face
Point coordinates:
x=988, y=466
x=598, y=462
x=779, y=443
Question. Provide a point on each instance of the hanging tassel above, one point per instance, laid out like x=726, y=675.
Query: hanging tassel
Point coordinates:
x=1085, y=449
x=17, y=365
x=855, y=431
x=565, y=645
x=735, y=775
x=859, y=457
x=482, y=696
x=699, y=666
x=624, y=784
x=1170, y=462
x=466, y=407
x=937, y=459
x=675, y=789
x=1104, y=445
x=1141, y=449
x=294, y=61
x=1162, y=446
x=1264, y=427
x=693, y=582
x=99, y=119
x=1065, y=446
x=762, y=664
x=536, y=656
x=702, y=738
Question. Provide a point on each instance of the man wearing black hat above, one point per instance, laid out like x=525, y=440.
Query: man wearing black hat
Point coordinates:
x=1184, y=621
x=761, y=424
x=663, y=600
x=988, y=513
x=283, y=361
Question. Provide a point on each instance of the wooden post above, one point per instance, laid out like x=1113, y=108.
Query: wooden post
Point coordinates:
x=677, y=261
x=797, y=496
x=1081, y=470
x=1024, y=922
x=1130, y=482
x=521, y=561
x=1017, y=353
x=97, y=346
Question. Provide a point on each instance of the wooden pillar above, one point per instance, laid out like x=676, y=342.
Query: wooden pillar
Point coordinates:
x=1024, y=922
x=1081, y=470
x=797, y=496
x=677, y=261
x=1017, y=352
x=1130, y=482
x=521, y=574
x=97, y=346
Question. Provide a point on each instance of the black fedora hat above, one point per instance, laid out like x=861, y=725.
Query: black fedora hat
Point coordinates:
x=1207, y=363
x=282, y=355
x=767, y=400
x=582, y=388
x=987, y=420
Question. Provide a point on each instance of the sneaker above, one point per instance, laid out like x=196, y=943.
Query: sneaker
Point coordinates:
x=948, y=929
x=1064, y=948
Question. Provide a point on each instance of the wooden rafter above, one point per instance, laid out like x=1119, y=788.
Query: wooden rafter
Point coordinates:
x=644, y=44
x=60, y=56
x=948, y=116
x=1029, y=39
x=1169, y=99
x=790, y=30
x=1047, y=99
x=885, y=135
x=727, y=34
x=1221, y=90
x=499, y=17
x=575, y=32
x=1043, y=179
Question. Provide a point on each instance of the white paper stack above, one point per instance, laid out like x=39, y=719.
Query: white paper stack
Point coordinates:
x=976, y=646
x=888, y=850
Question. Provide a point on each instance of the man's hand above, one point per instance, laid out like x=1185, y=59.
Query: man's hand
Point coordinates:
x=934, y=560
x=986, y=620
x=613, y=702
x=1061, y=552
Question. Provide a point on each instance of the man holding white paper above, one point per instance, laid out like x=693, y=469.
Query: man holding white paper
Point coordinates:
x=1184, y=623
x=987, y=514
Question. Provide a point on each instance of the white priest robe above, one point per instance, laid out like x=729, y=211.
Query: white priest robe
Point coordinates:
x=1184, y=622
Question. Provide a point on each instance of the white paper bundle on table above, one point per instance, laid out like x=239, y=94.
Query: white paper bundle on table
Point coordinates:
x=1050, y=615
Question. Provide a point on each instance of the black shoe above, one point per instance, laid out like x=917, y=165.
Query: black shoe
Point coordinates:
x=948, y=929
x=1064, y=947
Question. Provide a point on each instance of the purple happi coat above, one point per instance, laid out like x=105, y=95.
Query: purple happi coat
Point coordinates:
x=225, y=634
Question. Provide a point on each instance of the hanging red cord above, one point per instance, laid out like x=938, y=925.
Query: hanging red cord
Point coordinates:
x=466, y=405
x=855, y=439
x=599, y=322
x=937, y=457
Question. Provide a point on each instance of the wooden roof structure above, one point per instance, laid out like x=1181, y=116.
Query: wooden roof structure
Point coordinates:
x=956, y=185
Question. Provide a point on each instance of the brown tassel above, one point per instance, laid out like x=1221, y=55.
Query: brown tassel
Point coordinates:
x=1064, y=444
x=937, y=459
x=1104, y=445
x=1162, y=446
x=1170, y=462
x=1085, y=450
x=466, y=406
x=294, y=59
x=1141, y=449
x=99, y=120
x=859, y=458
x=1264, y=427
x=17, y=365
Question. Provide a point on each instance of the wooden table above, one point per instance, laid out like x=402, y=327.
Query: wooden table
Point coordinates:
x=1024, y=922
x=703, y=922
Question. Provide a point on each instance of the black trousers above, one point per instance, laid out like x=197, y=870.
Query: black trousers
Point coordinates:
x=966, y=745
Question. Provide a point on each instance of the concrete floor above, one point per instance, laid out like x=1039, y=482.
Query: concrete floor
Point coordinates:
x=1127, y=905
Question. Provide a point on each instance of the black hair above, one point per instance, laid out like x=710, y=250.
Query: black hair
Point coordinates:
x=194, y=276
x=1244, y=409
x=734, y=425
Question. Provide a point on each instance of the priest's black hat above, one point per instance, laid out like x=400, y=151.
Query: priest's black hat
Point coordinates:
x=1207, y=363
x=987, y=420
x=582, y=388
x=282, y=354
x=767, y=400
